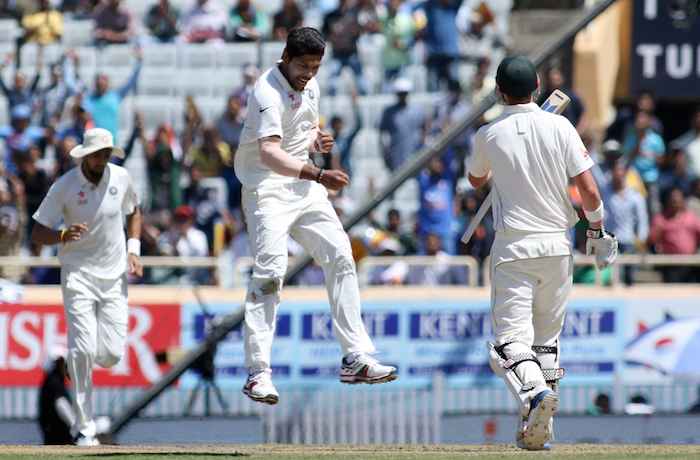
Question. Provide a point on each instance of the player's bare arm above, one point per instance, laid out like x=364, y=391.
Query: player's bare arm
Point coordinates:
x=601, y=244
x=133, y=231
x=590, y=196
x=478, y=181
x=42, y=235
x=275, y=158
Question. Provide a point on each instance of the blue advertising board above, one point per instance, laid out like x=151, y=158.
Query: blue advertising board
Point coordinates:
x=420, y=337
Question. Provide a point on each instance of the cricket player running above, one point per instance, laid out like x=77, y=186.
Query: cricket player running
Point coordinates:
x=91, y=201
x=285, y=194
x=530, y=155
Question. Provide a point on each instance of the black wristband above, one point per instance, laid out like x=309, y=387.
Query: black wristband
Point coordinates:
x=319, y=175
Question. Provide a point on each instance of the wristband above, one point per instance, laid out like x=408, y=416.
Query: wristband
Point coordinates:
x=61, y=235
x=595, y=233
x=133, y=246
x=320, y=175
x=595, y=216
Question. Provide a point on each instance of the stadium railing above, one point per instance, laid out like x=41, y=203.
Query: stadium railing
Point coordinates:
x=239, y=268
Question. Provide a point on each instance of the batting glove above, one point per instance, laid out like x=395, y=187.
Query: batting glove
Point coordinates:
x=603, y=245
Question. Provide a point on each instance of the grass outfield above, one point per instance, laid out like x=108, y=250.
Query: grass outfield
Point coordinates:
x=298, y=452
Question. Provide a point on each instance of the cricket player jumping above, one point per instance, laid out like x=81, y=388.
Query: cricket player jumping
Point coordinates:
x=284, y=194
x=92, y=201
x=531, y=154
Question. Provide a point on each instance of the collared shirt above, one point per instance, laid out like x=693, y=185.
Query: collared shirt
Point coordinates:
x=626, y=215
x=651, y=148
x=73, y=199
x=276, y=109
x=532, y=154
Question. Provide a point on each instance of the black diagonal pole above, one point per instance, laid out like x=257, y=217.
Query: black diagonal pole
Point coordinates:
x=410, y=169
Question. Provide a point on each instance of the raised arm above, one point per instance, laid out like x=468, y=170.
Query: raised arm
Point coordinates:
x=133, y=80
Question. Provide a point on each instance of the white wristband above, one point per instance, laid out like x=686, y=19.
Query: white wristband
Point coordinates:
x=133, y=246
x=597, y=215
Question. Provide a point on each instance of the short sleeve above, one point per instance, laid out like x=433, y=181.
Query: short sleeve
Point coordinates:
x=479, y=164
x=131, y=198
x=50, y=212
x=575, y=154
x=265, y=112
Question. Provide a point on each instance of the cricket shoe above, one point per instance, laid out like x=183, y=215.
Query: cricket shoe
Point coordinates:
x=538, y=428
x=519, y=435
x=362, y=368
x=86, y=441
x=259, y=387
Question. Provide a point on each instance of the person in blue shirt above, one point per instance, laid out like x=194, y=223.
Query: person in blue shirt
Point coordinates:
x=64, y=83
x=104, y=103
x=21, y=93
x=643, y=148
x=441, y=39
x=626, y=216
x=436, y=212
x=402, y=128
x=19, y=136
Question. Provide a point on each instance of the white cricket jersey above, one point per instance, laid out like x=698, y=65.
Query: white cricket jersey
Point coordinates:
x=73, y=199
x=276, y=109
x=532, y=154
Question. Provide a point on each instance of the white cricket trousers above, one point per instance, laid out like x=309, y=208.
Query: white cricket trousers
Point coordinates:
x=303, y=211
x=528, y=304
x=97, y=317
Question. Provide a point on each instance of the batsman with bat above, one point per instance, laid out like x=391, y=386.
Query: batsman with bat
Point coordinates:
x=529, y=154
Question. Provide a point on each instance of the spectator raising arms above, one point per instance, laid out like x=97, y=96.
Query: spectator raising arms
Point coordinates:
x=104, y=103
x=20, y=93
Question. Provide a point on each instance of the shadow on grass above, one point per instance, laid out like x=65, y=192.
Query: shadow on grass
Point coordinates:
x=165, y=454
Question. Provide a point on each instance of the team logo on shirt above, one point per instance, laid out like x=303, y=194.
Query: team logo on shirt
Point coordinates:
x=310, y=93
x=295, y=99
x=82, y=198
x=113, y=190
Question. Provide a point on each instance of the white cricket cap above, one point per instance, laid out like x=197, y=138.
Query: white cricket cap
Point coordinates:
x=96, y=139
x=403, y=85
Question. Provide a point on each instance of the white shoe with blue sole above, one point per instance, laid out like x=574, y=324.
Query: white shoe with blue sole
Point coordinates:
x=538, y=432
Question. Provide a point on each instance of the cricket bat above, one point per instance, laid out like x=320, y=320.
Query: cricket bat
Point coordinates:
x=555, y=103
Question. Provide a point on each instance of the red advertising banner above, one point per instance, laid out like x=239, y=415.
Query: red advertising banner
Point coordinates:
x=27, y=332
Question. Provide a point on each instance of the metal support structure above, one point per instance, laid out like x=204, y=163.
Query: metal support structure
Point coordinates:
x=410, y=169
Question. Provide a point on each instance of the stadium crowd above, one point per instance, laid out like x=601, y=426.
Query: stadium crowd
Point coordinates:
x=192, y=198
